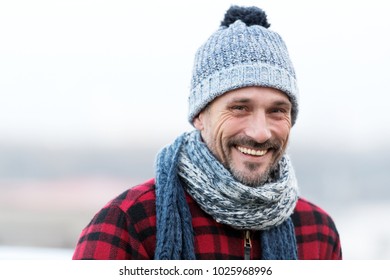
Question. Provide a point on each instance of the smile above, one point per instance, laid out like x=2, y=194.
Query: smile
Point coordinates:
x=252, y=152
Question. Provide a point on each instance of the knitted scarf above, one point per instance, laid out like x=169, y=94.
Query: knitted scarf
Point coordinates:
x=267, y=207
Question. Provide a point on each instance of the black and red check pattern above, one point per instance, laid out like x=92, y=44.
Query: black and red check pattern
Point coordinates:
x=126, y=229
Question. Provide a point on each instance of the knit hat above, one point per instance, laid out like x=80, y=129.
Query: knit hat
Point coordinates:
x=242, y=52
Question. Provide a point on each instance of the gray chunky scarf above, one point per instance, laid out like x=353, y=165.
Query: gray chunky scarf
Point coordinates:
x=267, y=207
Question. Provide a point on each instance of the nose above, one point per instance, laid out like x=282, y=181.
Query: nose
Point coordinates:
x=258, y=128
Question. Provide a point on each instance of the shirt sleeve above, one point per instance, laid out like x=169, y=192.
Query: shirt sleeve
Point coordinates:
x=335, y=244
x=109, y=236
x=316, y=233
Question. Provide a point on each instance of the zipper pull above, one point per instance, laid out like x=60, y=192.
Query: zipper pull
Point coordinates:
x=247, y=245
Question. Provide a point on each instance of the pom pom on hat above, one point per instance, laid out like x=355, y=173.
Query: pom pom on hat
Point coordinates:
x=243, y=52
x=248, y=15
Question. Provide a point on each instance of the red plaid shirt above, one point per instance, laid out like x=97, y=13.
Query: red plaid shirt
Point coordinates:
x=126, y=229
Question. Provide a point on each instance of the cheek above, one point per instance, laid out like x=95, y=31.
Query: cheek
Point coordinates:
x=224, y=127
x=283, y=125
x=283, y=133
x=216, y=134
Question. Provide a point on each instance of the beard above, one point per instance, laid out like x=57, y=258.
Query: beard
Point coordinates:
x=253, y=181
x=251, y=176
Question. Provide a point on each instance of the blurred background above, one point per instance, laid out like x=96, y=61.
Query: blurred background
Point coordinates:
x=91, y=90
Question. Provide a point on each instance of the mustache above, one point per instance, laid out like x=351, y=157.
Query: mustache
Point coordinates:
x=250, y=143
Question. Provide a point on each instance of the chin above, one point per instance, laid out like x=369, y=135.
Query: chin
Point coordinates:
x=248, y=180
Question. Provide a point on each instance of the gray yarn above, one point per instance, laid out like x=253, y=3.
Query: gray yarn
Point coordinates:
x=229, y=201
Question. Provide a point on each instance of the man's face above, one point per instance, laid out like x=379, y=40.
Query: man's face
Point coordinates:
x=247, y=130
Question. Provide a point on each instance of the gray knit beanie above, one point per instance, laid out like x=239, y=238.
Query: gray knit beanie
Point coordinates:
x=241, y=53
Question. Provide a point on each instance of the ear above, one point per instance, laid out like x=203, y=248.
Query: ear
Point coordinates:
x=198, y=122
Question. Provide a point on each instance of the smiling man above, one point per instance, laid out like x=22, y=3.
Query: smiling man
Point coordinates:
x=247, y=131
x=226, y=190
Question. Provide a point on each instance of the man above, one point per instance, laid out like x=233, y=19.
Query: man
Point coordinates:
x=226, y=190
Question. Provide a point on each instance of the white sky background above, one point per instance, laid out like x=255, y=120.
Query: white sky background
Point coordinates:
x=83, y=72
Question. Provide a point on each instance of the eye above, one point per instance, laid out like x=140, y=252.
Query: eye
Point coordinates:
x=278, y=110
x=239, y=108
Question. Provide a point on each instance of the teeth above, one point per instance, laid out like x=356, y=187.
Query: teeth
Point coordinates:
x=251, y=151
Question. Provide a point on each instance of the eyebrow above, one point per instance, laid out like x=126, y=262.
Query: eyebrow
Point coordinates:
x=275, y=103
x=240, y=100
x=282, y=103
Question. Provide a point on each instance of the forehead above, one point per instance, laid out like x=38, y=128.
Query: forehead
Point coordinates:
x=253, y=94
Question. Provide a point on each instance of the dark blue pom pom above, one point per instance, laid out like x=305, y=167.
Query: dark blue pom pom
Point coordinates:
x=248, y=15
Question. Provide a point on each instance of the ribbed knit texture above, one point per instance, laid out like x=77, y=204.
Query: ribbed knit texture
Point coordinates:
x=239, y=56
x=173, y=218
x=277, y=243
x=174, y=222
x=229, y=201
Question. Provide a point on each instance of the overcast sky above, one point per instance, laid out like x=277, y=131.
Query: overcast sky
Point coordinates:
x=77, y=72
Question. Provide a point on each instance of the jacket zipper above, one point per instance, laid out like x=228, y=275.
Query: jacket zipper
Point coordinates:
x=247, y=245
